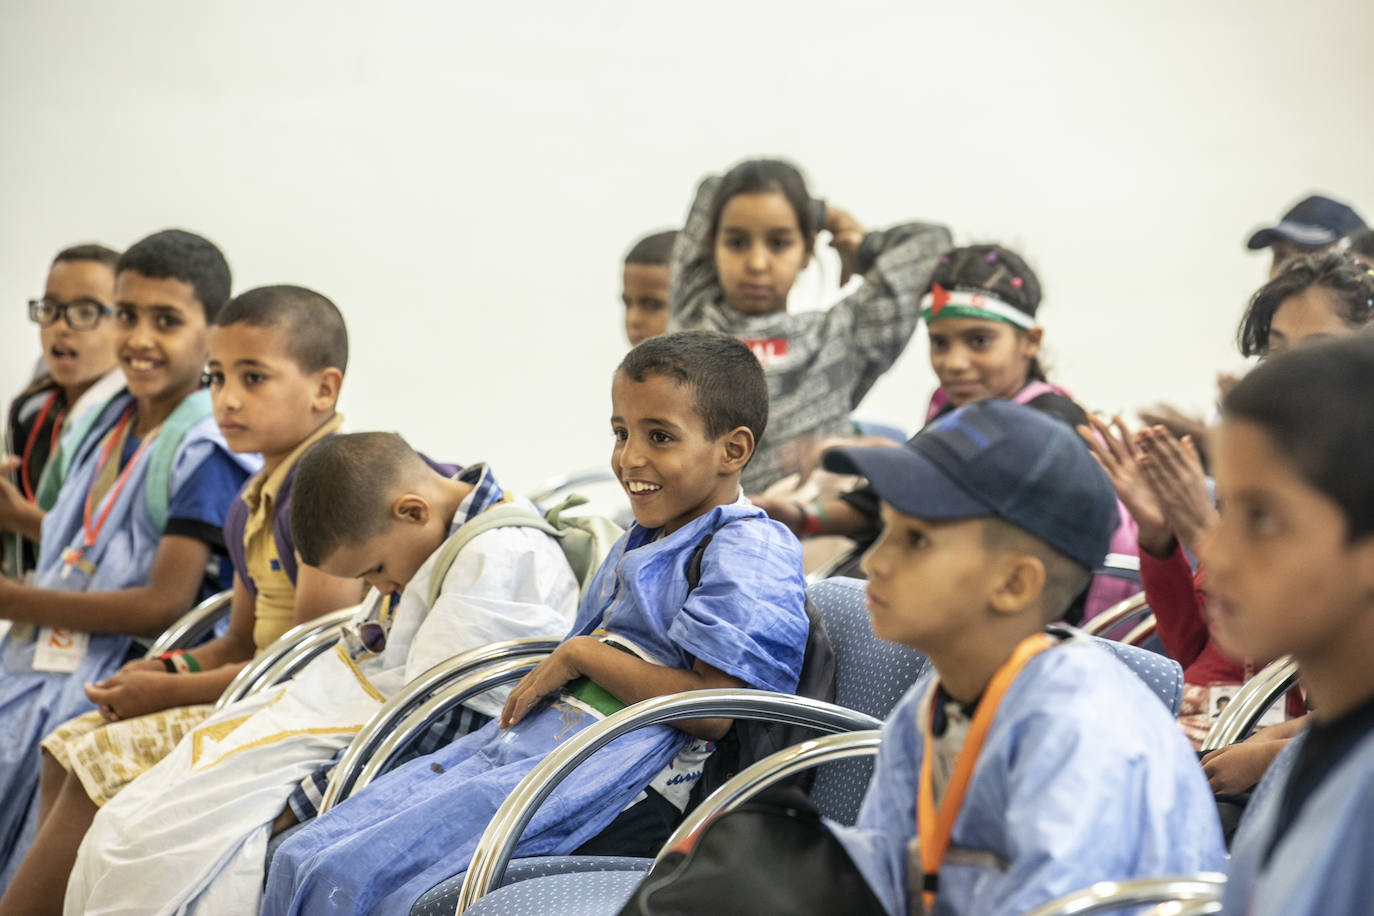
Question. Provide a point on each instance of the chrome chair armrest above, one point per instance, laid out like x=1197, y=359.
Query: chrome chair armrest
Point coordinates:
x=771, y=770
x=413, y=695
x=1117, y=614
x=1185, y=908
x=1141, y=631
x=497, y=843
x=192, y=626
x=1255, y=696
x=830, y=567
x=555, y=485
x=1107, y=896
x=252, y=677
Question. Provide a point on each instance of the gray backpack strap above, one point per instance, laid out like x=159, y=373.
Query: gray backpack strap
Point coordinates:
x=507, y=515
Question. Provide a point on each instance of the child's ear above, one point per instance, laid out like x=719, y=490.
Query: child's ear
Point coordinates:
x=1022, y=581
x=738, y=446
x=1032, y=341
x=327, y=385
x=411, y=507
x=1362, y=553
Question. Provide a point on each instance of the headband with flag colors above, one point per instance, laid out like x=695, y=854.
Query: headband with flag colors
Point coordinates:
x=943, y=303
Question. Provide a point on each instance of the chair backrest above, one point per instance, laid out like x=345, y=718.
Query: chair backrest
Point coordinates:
x=870, y=676
x=1162, y=675
x=195, y=626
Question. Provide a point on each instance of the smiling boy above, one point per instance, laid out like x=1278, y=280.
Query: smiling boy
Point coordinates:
x=686, y=411
x=126, y=547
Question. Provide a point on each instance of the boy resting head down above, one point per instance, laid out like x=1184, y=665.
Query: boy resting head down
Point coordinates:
x=1028, y=764
x=192, y=831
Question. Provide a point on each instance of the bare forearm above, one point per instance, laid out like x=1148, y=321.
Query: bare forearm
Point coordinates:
x=204, y=686
x=26, y=520
x=141, y=611
x=229, y=649
x=630, y=679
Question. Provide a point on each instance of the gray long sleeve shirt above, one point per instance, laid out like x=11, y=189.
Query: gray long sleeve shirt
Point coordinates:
x=819, y=364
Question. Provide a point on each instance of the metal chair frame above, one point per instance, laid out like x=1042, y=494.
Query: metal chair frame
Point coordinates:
x=193, y=626
x=1251, y=702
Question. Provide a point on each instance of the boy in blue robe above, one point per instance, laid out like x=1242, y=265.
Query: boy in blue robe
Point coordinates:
x=125, y=549
x=1026, y=765
x=687, y=411
x=1290, y=569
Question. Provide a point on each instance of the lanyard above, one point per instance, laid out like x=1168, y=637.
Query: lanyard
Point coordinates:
x=24, y=480
x=934, y=827
x=116, y=439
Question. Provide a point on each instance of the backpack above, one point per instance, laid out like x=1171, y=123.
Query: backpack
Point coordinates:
x=194, y=408
x=584, y=539
x=750, y=740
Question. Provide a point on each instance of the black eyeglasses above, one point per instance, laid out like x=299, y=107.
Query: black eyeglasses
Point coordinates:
x=81, y=314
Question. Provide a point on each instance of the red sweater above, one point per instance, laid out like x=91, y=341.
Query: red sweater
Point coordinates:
x=1177, y=597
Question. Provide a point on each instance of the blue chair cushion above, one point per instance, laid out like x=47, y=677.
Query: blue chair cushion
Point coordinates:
x=443, y=897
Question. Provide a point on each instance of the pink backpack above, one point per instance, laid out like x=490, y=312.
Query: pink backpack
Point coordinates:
x=1106, y=589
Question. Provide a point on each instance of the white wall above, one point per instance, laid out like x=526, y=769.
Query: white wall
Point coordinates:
x=463, y=179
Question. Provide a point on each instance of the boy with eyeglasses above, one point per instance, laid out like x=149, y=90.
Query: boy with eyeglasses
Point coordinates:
x=193, y=830
x=77, y=337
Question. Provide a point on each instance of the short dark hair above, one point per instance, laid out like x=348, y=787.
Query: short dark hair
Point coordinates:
x=316, y=336
x=1313, y=403
x=90, y=251
x=342, y=490
x=758, y=176
x=1348, y=282
x=726, y=380
x=996, y=270
x=1065, y=579
x=175, y=254
x=654, y=249
x=1362, y=243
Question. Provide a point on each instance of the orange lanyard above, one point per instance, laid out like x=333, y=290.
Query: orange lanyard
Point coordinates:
x=934, y=827
x=116, y=438
x=24, y=480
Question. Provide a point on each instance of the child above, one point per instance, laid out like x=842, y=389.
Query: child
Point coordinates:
x=192, y=831
x=984, y=343
x=747, y=237
x=1029, y=764
x=277, y=356
x=686, y=411
x=1311, y=299
x=1310, y=227
x=126, y=547
x=644, y=286
x=76, y=334
x=1290, y=569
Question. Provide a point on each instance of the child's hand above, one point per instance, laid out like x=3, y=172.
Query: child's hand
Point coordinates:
x=1237, y=767
x=1174, y=472
x=546, y=678
x=130, y=693
x=1119, y=457
x=846, y=235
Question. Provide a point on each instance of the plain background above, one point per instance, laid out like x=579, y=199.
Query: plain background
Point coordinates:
x=463, y=180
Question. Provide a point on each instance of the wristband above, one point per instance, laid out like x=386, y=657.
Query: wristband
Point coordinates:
x=180, y=661
x=813, y=519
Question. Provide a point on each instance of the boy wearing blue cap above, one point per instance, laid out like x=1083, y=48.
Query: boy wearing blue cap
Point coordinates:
x=1029, y=763
x=1312, y=225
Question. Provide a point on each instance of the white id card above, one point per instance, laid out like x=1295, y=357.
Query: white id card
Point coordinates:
x=59, y=650
x=1219, y=697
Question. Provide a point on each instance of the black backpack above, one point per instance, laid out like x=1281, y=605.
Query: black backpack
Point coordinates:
x=749, y=741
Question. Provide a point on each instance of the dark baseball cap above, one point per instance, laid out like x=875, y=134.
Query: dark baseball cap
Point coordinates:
x=1314, y=223
x=996, y=458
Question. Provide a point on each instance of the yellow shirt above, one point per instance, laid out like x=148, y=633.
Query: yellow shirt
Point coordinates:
x=275, y=608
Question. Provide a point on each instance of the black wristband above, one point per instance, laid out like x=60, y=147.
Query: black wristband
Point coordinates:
x=167, y=663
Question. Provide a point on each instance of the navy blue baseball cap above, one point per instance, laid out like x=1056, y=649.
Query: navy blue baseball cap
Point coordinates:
x=996, y=458
x=1315, y=222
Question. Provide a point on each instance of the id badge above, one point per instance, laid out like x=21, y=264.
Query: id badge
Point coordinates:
x=1219, y=696
x=59, y=650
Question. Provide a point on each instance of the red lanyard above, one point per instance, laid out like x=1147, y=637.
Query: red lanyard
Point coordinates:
x=116, y=437
x=934, y=827
x=24, y=481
